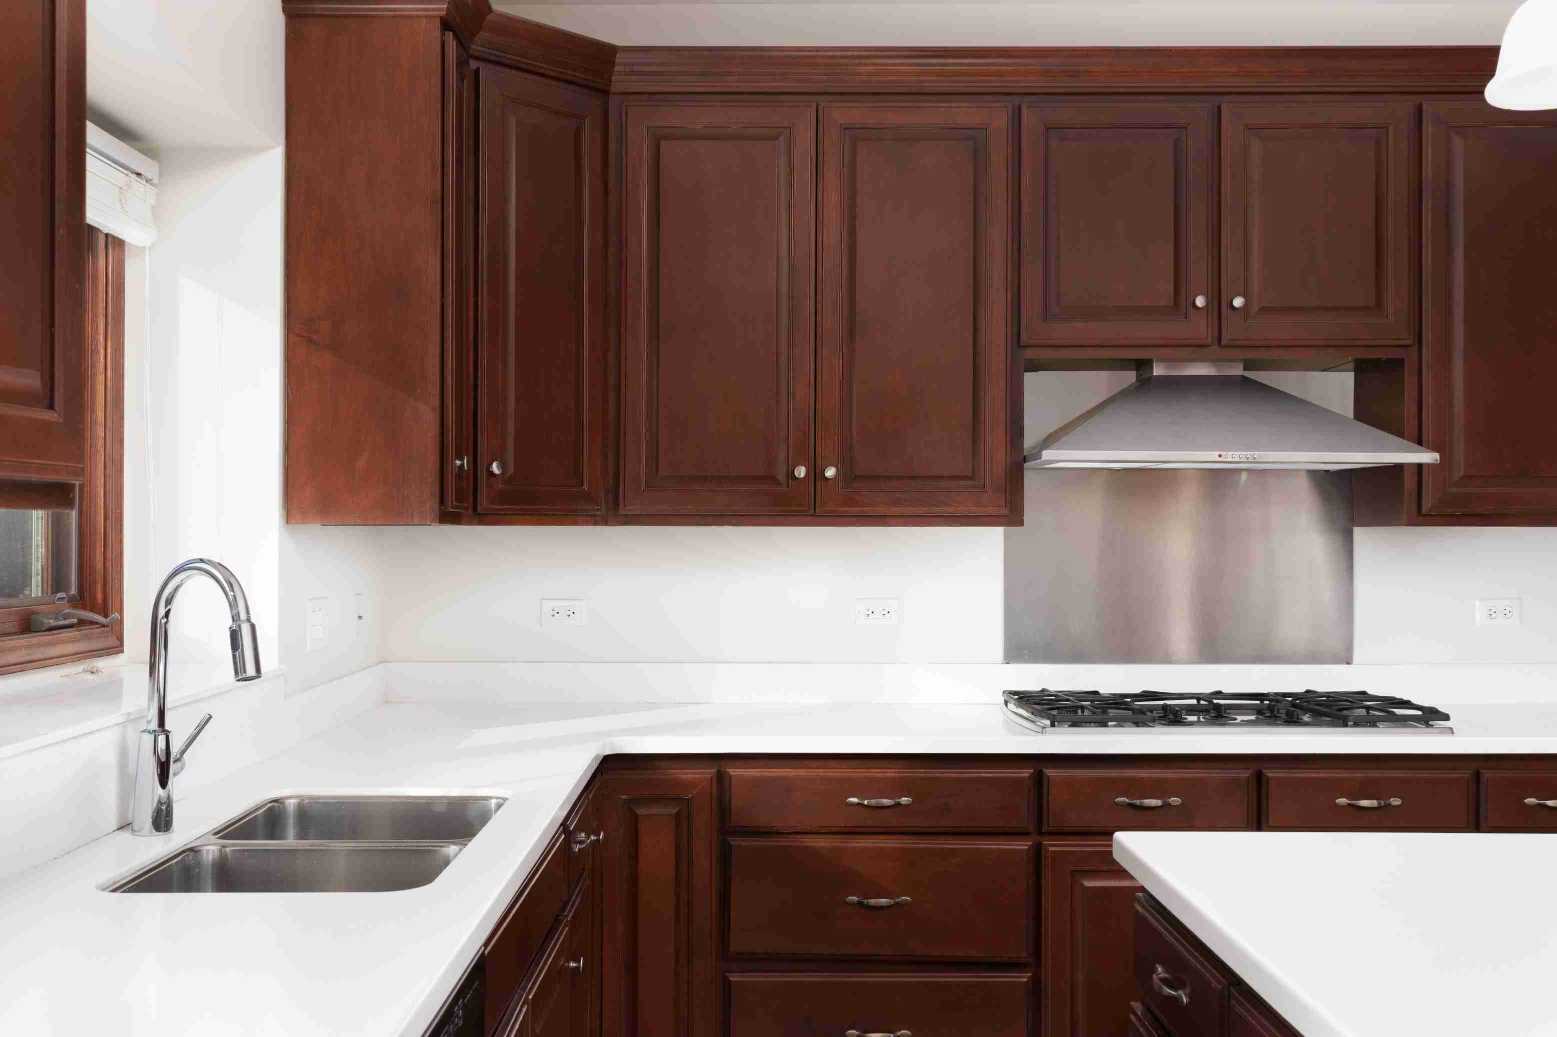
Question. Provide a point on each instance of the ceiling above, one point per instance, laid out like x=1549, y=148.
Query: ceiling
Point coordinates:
x=187, y=73
x=1034, y=23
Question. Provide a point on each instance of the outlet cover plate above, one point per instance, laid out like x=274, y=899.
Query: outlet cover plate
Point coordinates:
x=877, y=612
x=1492, y=612
x=564, y=612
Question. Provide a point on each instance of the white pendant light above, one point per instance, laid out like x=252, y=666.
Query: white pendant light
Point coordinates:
x=1527, y=64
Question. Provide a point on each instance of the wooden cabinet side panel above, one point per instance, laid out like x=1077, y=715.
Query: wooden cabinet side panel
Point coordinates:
x=43, y=427
x=660, y=905
x=542, y=421
x=1490, y=348
x=915, y=356
x=364, y=264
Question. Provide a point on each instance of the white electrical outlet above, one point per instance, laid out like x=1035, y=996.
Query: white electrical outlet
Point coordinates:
x=877, y=612
x=1497, y=612
x=318, y=620
x=562, y=612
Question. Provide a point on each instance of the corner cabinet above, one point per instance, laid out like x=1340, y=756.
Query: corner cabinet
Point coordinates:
x=540, y=354
x=43, y=426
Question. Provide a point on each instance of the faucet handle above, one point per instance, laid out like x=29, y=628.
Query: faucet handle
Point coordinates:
x=178, y=757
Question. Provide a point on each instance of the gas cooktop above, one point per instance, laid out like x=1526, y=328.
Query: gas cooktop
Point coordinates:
x=1220, y=710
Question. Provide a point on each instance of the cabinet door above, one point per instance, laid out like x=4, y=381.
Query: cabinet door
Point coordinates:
x=542, y=353
x=1088, y=955
x=660, y=904
x=1490, y=356
x=916, y=369
x=718, y=308
x=43, y=249
x=1318, y=222
x=459, y=245
x=1117, y=217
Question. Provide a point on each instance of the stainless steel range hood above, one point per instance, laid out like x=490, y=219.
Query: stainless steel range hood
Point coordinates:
x=1212, y=416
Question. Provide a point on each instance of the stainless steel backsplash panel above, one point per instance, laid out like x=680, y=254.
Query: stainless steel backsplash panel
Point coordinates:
x=1151, y=566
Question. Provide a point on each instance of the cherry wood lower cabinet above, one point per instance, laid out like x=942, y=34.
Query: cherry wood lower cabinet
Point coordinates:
x=1088, y=940
x=835, y=1005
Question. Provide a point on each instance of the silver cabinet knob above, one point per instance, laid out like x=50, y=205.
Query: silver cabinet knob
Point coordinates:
x=1239, y=302
x=496, y=468
x=461, y=463
x=577, y=964
x=830, y=472
x=800, y=471
x=1200, y=302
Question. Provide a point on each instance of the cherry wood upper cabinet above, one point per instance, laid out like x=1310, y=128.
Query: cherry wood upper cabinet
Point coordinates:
x=916, y=369
x=1490, y=356
x=43, y=209
x=541, y=354
x=1319, y=243
x=459, y=242
x=1118, y=214
x=718, y=308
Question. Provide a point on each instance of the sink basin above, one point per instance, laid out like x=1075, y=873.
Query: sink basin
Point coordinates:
x=354, y=818
x=347, y=868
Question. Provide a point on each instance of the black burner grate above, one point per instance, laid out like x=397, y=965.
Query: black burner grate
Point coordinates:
x=1348, y=709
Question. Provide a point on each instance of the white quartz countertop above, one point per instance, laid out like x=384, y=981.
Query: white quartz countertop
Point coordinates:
x=75, y=959
x=1370, y=934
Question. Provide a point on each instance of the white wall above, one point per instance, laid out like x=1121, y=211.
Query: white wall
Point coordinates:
x=787, y=595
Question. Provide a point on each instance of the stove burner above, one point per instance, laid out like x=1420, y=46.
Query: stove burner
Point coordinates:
x=1327, y=709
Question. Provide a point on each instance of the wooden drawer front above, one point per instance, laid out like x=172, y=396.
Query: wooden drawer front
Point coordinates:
x=583, y=834
x=886, y=800
x=1515, y=801
x=965, y=900
x=1181, y=985
x=1136, y=800
x=1248, y=1016
x=1443, y=801
x=520, y=936
x=1141, y=1022
x=835, y=1005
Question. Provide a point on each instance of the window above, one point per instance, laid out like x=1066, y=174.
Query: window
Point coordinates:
x=61, y=543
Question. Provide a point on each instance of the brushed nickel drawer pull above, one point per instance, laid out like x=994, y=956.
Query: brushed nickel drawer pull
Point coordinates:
x=1161, y=984
x=878, y=903
x=1370, y=804
x=1148, y=804
x=880, y=804
x=1549, y=803
x=888, y=1033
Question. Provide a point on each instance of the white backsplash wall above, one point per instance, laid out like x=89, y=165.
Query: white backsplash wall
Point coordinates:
x=711, y=594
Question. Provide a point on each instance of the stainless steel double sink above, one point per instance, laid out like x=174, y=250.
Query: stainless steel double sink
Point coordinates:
x=322, y=844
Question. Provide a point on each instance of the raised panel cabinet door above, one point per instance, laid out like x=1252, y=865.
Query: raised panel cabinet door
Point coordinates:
x=718, y=308
x=1319, y=241
x=542, y=422
x=459, y=244
x=660, y=904
x=915, y=362
x=1087, y=959
x=1490, y=357
x=43, y=248
x=1118, y=212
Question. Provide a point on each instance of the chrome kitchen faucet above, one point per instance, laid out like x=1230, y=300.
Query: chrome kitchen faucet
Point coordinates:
x=151, y=811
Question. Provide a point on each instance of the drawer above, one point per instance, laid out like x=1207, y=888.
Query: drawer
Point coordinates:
x=1519, y=801
x=881, y=898
x=519, y=937
x=583, y=834
x=881, y=800
x=1181, y=983
x=1141, y=1022
x=785, y=1005
x=1248, y=1016
x=1141, y=799
x=1381, y=799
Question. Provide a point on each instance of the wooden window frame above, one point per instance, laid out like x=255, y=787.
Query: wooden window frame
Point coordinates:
x=100, y=532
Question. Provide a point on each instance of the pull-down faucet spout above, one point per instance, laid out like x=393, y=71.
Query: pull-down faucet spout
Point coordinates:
x=151, y=810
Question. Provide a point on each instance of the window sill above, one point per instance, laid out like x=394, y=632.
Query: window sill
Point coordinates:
x=43, y=707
